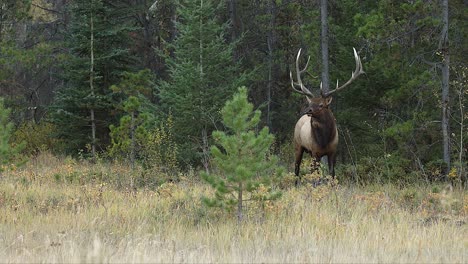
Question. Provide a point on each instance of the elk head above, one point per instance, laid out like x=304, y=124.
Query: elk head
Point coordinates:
x=316, y=131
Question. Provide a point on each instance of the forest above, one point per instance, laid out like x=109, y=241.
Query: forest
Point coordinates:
x=189, y=102
x=74, y=73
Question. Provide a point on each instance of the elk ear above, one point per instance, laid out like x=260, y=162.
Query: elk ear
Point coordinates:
x=328, y=100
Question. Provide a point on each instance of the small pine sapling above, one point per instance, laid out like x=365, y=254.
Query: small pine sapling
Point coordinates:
x=130, y=135
x=243, y=162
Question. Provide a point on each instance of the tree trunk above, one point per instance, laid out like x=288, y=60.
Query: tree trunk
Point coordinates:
x=234, y=20
x=91, y=86
x=271, y=39
x=324, y=45
x=239, y=204
x=205, y=151
x=444, y=48
x=2, y=21
x=325, y=85
x=133, y=143
x=461, y=175
x=173, y=29
x=150, y=58
x=201, y=44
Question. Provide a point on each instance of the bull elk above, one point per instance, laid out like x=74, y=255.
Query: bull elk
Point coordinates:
x=316, y=131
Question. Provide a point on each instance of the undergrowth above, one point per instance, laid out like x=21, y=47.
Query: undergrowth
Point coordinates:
x=64, y=210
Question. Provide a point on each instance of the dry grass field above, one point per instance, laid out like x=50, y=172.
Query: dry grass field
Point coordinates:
x=61, y=210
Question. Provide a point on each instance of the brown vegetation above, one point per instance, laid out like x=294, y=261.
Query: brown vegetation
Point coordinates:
x=63, y=210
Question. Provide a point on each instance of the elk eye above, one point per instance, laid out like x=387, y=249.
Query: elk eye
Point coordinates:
x=321, y=105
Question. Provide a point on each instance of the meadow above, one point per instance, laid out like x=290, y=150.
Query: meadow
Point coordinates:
x=63, y=210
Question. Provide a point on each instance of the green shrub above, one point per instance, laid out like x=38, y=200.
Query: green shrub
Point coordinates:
x=38, y=137
x=160, y=154
x=387, y=169
x=8, y=152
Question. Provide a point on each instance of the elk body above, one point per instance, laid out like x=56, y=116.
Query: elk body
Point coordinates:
x=316, y=132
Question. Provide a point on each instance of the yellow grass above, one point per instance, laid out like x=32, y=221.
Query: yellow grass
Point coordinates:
x=44, y=218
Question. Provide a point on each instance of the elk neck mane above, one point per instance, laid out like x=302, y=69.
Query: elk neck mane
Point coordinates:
x=323, y=127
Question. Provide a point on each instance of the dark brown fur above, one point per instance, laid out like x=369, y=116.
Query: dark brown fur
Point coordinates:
x=325, y=133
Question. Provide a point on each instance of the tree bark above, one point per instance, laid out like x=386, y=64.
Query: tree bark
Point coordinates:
x=461, y=174
x=2, y=21
x=173, y=29
x=91, y=86
x=201, y=44
x=325, y=85
x=324, y=45
x=148, y=30
x=239, y=204
x=444, y=48
x=271, y=39
x=234, y=19
x=133, y=141
x=205, y=151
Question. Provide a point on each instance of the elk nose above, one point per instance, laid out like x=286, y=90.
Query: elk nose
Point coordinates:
x=306, y=111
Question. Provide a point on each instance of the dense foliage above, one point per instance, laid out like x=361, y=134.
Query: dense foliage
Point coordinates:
x=98, y=44
x=132, y=133
x=242, y=162
x=202, y=75
x=60, y=59
x=7, y=151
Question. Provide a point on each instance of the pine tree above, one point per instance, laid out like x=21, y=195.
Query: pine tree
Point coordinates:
x=202, y=75
x=128, y=137
x=243, y=161
x=97, y=41
x=406, y=69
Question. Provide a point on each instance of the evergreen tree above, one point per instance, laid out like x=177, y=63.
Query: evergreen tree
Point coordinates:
x=243, y=161
x=26, y=58
x=202, y=75
x=12, y=11
x=97, y=41
x=130, y=135
x=406, y=69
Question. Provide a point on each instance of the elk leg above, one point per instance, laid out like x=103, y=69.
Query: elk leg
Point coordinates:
x=299, y=152
x=331, y=163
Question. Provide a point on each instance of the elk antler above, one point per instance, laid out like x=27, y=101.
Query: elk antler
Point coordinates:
x=304, y=90
x=358, y=71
